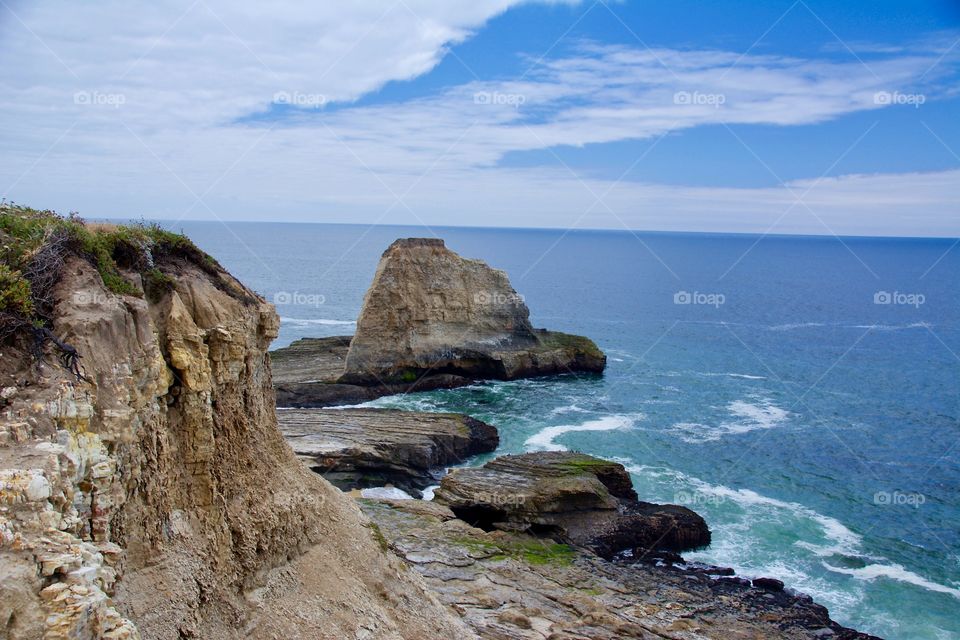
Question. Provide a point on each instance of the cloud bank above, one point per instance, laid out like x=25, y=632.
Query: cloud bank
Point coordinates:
x=248, y=111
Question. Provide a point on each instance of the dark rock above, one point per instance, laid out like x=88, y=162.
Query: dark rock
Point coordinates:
x=306, y=375
x=570, y=496
x=360, y=448
x=768, y=584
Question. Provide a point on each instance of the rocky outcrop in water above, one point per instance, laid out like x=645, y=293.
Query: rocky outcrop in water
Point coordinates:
x=156, y=497
x=361, y=448
x=307, y=374
x=572, y=497
x=429, y=312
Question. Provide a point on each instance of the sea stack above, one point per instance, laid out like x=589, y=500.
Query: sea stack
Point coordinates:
x=429, y=311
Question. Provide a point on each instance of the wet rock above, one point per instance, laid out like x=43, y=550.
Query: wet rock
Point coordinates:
x=307, y=373
x=574, y=497
x=359, y=448
x=768, y=584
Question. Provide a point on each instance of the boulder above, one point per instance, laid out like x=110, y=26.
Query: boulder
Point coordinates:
x=430, y=311
x=361, y=448
x=572, y=497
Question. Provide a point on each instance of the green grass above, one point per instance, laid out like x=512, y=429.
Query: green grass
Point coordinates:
x=583, y=464
x=535, y=552
x=558, y=340
x=378, y=536
x=15, y=295
x=25, y=233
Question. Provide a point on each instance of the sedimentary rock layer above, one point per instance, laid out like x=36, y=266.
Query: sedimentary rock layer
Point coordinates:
x=157, y=498
x=307, y=374
x=573, y=497
x=359, y=448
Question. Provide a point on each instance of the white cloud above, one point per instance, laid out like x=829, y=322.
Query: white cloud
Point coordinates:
x=145, y=108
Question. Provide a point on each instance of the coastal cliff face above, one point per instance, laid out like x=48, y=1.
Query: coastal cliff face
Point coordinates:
x=157, y=499
x=430, y=311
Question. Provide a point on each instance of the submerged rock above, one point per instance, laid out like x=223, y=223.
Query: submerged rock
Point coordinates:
x=360, y=448
x=430, y=311
x=573, y=497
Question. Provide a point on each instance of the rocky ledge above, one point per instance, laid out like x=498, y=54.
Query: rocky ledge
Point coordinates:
x=307, y=374
x=571, y=497
x=360, y=448
x=511, y=586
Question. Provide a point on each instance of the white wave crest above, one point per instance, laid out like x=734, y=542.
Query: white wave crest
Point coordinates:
x=749, y=416
x=543, y=440
x=893, y=572
x=322, y=321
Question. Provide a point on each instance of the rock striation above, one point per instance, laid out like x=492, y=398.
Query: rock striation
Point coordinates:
x=156, y=498
x=361, y=448
x=572, y=497
x=307, y=374
x=430, y=311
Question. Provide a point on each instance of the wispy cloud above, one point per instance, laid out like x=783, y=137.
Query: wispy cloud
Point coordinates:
x=185, y=96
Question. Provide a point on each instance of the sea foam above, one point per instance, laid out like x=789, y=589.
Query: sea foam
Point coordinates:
x=543, y=440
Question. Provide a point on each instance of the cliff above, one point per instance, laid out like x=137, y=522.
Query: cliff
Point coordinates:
x=430, y=311
x=152, y=495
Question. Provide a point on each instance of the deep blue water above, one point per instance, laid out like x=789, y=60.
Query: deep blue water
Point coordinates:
x=817, y=431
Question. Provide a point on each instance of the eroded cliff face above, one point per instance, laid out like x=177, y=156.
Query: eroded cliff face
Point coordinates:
x=158, y=499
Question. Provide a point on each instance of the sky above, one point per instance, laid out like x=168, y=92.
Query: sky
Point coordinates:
x=805, y=116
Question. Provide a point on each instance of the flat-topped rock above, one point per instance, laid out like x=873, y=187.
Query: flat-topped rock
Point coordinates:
x=571, y=496
x=310, y=360
x=361, y=448
x=430, y=311
x=307, y=373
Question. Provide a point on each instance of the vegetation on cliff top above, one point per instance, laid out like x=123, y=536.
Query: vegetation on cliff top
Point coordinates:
x=34, y=244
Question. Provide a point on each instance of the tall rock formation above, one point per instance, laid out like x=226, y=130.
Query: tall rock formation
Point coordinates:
x=431, y=312
x=158, y=499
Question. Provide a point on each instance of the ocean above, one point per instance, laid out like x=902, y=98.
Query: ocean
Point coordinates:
x=801, y=393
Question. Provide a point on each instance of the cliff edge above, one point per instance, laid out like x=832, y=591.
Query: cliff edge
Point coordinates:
x=145, y=489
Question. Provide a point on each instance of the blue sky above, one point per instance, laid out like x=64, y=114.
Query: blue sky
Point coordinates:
x=780, y=117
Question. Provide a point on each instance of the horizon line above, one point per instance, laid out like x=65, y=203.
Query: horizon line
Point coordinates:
x=524, y=228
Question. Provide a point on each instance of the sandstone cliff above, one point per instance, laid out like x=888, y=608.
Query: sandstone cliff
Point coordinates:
x=157, y=498
x=431, y=312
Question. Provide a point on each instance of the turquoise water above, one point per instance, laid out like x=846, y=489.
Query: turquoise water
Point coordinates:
x=816, y=430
